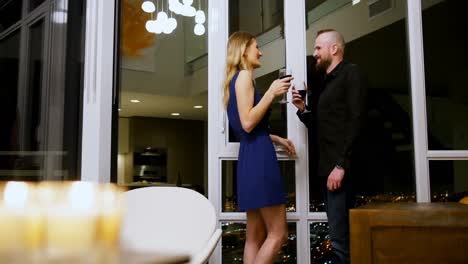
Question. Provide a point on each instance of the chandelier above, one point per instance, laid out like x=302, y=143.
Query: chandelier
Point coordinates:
x=163, y=24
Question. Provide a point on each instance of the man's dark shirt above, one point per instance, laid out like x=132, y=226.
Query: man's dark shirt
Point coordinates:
x=336, y=116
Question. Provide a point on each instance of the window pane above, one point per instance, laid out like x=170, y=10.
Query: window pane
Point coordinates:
x=9, y=63
x=10, y=13
x=278, y=116
x=382, y=159
x=24, y=155
x=36, y=64
x=320, y=244
x=246, y=15
x=39, y=137
x=229, y=184
x=233, y=241
x=446, y=87
x=255, y=16
x=162, y=118
x=35, y=3
x=449, y=181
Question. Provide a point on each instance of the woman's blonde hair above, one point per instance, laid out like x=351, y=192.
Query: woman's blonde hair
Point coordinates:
x=237, y=44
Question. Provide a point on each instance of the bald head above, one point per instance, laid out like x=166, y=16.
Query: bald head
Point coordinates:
x=332, y=37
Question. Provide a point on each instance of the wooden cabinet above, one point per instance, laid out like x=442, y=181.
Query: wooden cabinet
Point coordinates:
x=409, y=233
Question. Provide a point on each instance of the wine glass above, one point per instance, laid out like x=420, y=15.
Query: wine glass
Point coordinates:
x=301, y=88
x=284, y=73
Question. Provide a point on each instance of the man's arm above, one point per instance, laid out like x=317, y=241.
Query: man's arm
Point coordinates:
x=306, y=116
x=355, y=102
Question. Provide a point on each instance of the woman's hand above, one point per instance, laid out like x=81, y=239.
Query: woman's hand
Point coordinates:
x=279, y=87
x=288, y=144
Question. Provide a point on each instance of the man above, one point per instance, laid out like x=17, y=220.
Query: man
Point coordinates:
x=335, y=118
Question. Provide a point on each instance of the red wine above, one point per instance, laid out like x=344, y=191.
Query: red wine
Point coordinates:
x=285, y=76
x=303, y=93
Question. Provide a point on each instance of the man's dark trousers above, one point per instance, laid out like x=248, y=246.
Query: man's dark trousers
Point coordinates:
x=337, y=205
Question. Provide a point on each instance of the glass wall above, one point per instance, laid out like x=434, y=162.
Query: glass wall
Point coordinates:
x=382, y=160
x=41, y=60
x=320, y=244
x=255, y=16
x=233, y=241
x=162, y=109
x=449, y=181
x=264, y=19
x=10, y=13
x=34, y=3
x=446, y=95
x=446, y=88
x=9, y=68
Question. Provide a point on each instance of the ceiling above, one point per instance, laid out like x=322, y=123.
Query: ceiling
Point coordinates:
x=153, y=105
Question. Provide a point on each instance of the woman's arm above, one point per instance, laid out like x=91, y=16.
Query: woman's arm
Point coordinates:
x=285, y=142
x=251, y=115
x=275, y=139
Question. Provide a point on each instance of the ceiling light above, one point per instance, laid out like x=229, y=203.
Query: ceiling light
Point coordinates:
x=175, y=114
x=148, y=7
x=135, y=101
x=198, y=106
x=199, y=29
x=151, y=26
x=200, y=17
x=188, y=11
x=172, y=22
x=162, y=16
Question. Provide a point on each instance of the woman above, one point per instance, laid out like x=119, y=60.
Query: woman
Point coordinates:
x=260, y=190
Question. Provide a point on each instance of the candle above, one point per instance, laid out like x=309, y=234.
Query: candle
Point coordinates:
x=59, y=221
x=11, y=230
x=12, y=215
x=71, y=222
x=110, y=215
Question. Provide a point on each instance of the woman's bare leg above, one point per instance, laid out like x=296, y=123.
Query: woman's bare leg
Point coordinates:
x=274, y=218
x=255, y=236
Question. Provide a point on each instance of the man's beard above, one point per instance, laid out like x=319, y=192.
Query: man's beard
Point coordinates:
x=323, y=64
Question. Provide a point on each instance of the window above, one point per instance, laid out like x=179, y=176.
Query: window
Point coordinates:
x=445, y=72
x=448, y=180
x=383, y=155
x=265, y=20
x=233, y=241
x=42, y=92
x=10, y=13
x=35, y=3
x=162, y=109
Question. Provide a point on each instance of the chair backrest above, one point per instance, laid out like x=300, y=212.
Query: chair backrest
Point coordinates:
x=167, y=219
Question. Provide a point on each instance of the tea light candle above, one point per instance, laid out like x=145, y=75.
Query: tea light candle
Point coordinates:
x=110, y=215
x=12, y=215
x=71, y=225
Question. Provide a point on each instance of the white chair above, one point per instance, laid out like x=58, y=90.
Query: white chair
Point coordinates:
x=170, y=220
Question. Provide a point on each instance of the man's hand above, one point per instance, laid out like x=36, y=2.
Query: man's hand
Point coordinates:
x=297, y=99
x=335, y=178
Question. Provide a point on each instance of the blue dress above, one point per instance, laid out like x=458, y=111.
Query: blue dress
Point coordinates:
x=259, y=183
